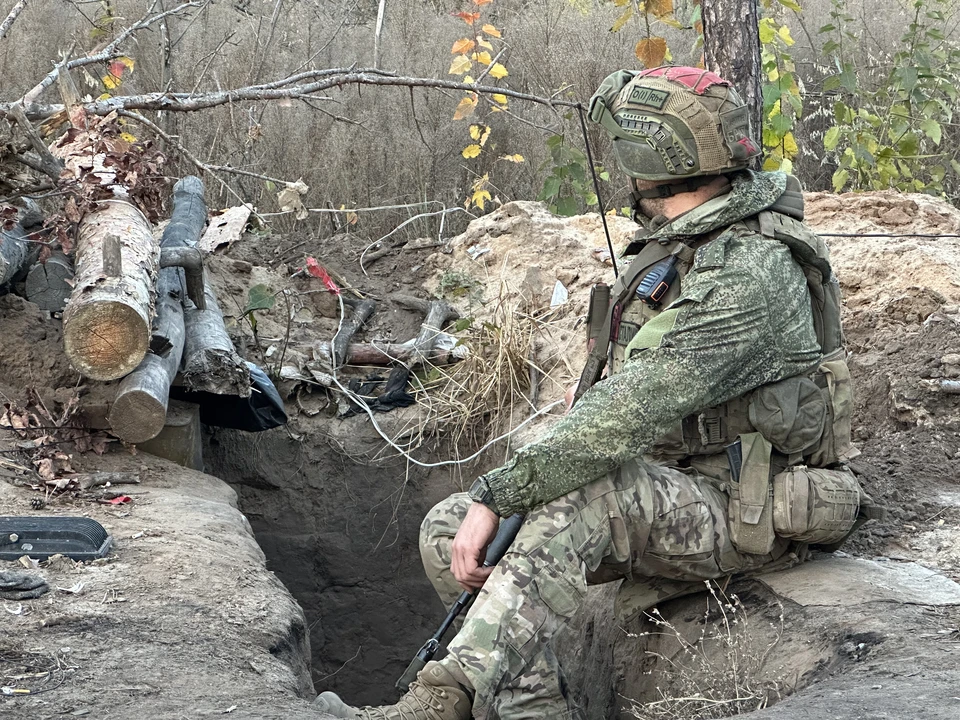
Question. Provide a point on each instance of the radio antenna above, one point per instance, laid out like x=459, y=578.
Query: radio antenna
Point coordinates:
x=596, y=188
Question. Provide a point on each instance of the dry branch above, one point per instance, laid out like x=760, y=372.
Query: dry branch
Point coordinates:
x=280, y=90
x=387, y=354
x=437, y=313
x=361, y=312
x=14, y=252
x=11, y=17
x=106, y=324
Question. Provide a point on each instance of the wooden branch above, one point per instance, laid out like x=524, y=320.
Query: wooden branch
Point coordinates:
x=139, y=411
x=437, y=312
x=386, y=354
x=362, y=310
x=110, y=52
x=11, y=17
x=48, y=164
x=191, y=102
x=106, y=323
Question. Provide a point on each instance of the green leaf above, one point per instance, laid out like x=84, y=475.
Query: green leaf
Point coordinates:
x=567, y=206
x=462, y=324
x=831, y=138
x=259, y=297
x=551, y=187
x=840, y=178
x=767, y=31
x=932, y=130
x=938, y=172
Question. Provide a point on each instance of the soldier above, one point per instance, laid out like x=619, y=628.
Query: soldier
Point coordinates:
x=714, y=446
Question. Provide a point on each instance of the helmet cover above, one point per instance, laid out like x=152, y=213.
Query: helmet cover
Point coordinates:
x=674, y=122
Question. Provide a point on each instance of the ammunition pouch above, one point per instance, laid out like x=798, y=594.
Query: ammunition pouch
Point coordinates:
x=750, y=510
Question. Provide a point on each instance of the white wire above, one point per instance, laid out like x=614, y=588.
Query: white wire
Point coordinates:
x=366, y=408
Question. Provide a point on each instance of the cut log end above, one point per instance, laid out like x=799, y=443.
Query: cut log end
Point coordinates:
x=106, y=340
x=136, y=417
x=217, y=371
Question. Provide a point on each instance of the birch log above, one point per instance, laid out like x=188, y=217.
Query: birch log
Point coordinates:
x=14, y=251
x=139, y=410
x=106, y=323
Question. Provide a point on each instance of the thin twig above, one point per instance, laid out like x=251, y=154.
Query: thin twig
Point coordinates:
x=11, y=16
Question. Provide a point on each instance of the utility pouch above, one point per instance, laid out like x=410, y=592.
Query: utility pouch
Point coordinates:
x=597, y=311
x=815, y=505
x=750, y=510
x=835, y=444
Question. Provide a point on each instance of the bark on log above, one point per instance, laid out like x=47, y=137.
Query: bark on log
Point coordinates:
x=139, y=411
x=210, y=362
x=50, y=283
x=107, y=320
x=14, y=252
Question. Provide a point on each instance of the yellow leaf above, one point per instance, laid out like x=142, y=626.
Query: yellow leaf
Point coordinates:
x=480, y=133
x=498, y=71
x=651, y=51
x=767, y=31
x=491, y=30
x=105, y=96
x=771, y=164
x=466, y=107
x=468, y=79
x=352, y=218
x=622, y=20
x=790, y=148
x=479, y=197
x=497, y=108
x=460, y=65
x=129, y=62
x=773, y=75
x=620, y=3
x=482, y=58
x=463, y=45
x=659, y=8
x=500, y=98
x=484, y=44
x=110, y=82
x=784, y=33
x=127, y=137
x=471, y=151
x=512, y=158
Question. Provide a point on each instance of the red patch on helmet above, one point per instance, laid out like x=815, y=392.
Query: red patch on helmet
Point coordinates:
x=748, y=145
x=696, y=79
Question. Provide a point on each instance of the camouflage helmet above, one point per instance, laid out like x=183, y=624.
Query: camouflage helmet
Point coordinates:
x=673, y=123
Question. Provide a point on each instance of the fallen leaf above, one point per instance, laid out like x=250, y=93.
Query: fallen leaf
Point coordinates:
x=470, y=151
x=498, y=71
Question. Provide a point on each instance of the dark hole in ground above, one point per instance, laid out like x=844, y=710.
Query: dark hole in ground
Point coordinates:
x=342, y=537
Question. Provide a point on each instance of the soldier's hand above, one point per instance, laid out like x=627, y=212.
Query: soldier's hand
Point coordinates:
x=476, y=532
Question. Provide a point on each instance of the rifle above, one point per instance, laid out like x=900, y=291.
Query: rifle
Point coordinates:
x=506, y=534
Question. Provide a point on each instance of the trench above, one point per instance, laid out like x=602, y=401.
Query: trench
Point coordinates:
x=342, y=537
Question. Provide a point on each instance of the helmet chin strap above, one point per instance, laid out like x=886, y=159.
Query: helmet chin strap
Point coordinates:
x=669, y=190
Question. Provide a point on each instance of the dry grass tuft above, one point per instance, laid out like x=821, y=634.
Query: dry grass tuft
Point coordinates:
x=721, y=672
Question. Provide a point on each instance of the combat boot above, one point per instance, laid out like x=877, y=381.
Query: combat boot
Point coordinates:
x=436, y=694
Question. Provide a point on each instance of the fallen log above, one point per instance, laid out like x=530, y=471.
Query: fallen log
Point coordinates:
x=210, y=362
x=49, y=283
x=107, y=320
x=389, y=354
x=139, y=411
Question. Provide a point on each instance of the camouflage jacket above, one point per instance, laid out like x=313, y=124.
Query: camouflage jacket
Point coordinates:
x=742, y=320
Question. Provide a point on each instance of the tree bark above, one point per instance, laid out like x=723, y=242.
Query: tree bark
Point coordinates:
x=14, y=252
x=389, y=354
x=731, y=48
x=107, y=320
x=139, y=411
x=211, y=363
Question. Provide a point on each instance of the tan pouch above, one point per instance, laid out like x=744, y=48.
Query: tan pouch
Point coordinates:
x=750, y=512
x=835, y=445
x=815, y=505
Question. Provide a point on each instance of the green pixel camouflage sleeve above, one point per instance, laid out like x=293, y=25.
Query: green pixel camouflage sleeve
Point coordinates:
x=742, y=320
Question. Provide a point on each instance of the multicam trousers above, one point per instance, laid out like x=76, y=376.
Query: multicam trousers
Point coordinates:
x=646, y=523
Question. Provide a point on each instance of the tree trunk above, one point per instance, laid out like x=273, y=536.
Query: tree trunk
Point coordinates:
x=731, y=48
x=106, y=324
x=139, y=411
